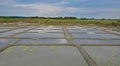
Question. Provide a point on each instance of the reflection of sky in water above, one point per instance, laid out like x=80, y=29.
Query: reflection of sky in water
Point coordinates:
x=105, y=55
x=95, y=36
x=85, y=30
x=45, y=31
x=117, y=32
x=40, y=35
x=42, y=55
x=4, y=42
x=13, y=32
x=96, y=41
x=58, y=55
x=52, y=27
x=42, y=41
x=90, y=32
x=1, y=30
x=6, y=27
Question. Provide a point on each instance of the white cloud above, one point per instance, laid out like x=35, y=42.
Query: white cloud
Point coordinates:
x=48, y=9
x=78, y=0
x=38, y=8
x=62, y=3
x=110, y=13
x=6, y=2
x=44, y=8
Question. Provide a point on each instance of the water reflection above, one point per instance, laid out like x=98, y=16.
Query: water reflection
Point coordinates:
x=40, y=35
x=94, y=35
x=75, y=41
x=43, y=56
x=42, y=41
x=90, y=32
x=104, y=55
x=12, y=32
x=5, y=42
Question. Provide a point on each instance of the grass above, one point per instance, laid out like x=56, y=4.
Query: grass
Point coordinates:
x=37, y=21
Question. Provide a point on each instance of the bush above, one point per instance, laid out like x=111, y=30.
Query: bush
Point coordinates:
x=118, y=20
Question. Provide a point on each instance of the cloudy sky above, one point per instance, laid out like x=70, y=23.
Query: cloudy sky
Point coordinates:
x=78, y=8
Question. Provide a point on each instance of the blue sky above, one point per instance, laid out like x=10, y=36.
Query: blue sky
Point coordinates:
x=78, y=8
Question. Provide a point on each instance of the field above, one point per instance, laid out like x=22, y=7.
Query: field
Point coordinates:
x=59, y=42
x=40, y=21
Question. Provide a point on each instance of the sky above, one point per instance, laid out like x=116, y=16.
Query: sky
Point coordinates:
x=56, y=8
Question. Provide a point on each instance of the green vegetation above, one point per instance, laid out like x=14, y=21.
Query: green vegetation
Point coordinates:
x=60, y=21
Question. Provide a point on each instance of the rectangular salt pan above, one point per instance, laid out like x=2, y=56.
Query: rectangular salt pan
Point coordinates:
x=5, y=27
x=42, y=41
x=41, y=56
x=2, y=30
x=50, y=27
x=95, y=36
x=5, y=42
x=104, y=55
x=77, y=41
x=44, y=31
x=90, y=32
x=113, y=31
x=77, y=30
x=12, y=32
x=40, y=35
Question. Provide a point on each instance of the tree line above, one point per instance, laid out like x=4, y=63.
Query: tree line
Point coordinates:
x=66, y=17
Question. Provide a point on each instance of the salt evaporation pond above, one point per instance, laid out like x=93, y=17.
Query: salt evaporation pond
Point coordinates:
x=59, y=46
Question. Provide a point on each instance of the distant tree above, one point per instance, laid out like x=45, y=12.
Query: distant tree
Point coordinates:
x=60, y=17
x=70, y=17
x=103, y=19
x=118, y=20
x=34, y=17
x=92, y=18
x=42, y=17
x=84, y=18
